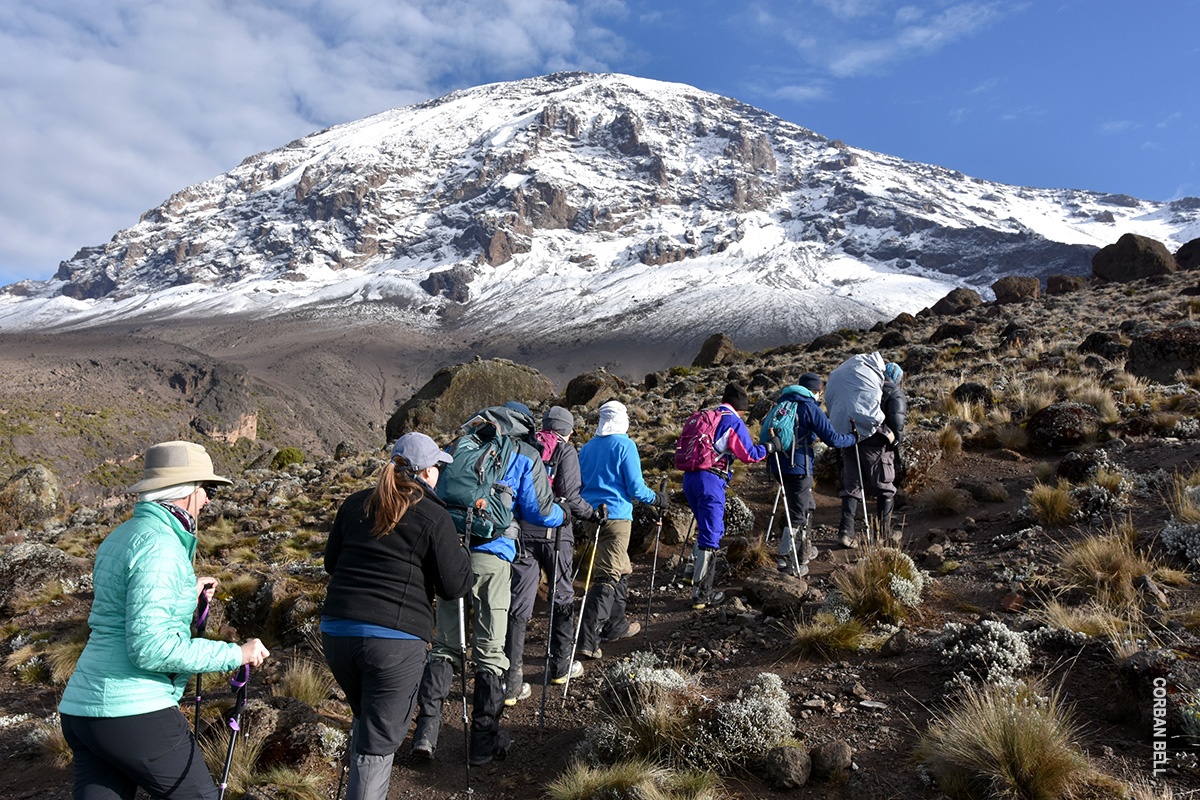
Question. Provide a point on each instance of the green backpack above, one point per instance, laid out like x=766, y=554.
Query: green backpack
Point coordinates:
x=480, y=505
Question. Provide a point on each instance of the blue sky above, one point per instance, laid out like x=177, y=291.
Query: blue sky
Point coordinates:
x=107, y=107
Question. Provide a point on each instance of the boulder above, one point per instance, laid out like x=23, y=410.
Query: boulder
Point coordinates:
x=29, y=498
x=1063, y=284
x=1105, y=345
x=593, y=389
x=454, y=393
x=892, y=339
x=977, y=393
x=27, y=567
x=774, y=593
x=1188, y=256
x=1158, y=354
x=787, y=767
x=903, y=320
x=1015, y=335
x=957, y=301
x=717, y=349
x=1133, y=257
x=952, y=330
x=1016, y=289
x=832, y=759
x=828, y=341
x=1061, y=426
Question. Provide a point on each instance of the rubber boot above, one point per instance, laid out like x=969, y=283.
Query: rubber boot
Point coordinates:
x=515, y=688
x=369, y=777
x=597, y=606
x=706, y=572
x=434, y=689
x=846, y=527
x=487, y=740
x=883, y=517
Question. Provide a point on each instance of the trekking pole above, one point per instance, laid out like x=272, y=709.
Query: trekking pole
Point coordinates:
x=862, y=487
x=774, y=508
x=238, y=682
x=654, y=568
x=683, y=550
x=201, y=620
x=551, y=595
x=462, y=652
x=587, y=584
x=787, y=515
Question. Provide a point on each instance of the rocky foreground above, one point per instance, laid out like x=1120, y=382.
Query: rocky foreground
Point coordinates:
x=1050, y=534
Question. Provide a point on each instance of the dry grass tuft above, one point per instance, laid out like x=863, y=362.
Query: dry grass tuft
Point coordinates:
x=1006, y=742
x=883, y=585
x=945, y=501
x=63, y=655
x=288, y=783
x=1105, y=565
x=748, y=554
x=248, y=748
x=632, y=780
x=1011, y=437
x=1052, y=505
x=825, y=637
x=305, y=680
x=950, y=441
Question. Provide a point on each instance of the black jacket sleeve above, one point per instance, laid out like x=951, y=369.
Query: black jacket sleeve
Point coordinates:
x=895, y=410
x=449, y=562
x=568, y=481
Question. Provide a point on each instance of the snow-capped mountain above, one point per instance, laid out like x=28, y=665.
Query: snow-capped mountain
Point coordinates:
x=575, y=206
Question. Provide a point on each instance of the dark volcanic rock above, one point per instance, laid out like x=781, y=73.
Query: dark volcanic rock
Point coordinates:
x=1061, y=426
x=952, y=330
x=1016, y=289
x=957, y=301
x=1063, y=284
x=591, y=389
x=717, y=349
x=25, y=568
x=1158, y=354
x=1188, y=256
x=787, y=767
x=971, y=392
x=453, y=393
x=1133, y=257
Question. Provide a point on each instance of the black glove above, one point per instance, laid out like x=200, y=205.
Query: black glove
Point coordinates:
x=775, y=445
x=661, y=500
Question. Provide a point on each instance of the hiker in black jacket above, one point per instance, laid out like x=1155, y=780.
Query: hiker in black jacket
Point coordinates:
x=538, y=550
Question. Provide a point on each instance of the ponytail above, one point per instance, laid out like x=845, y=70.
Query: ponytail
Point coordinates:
x=396, y=491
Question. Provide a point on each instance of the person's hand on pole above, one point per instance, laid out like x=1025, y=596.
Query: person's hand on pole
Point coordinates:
x=254, y=653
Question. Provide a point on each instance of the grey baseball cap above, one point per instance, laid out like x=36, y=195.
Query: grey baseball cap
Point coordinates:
x=420, y=451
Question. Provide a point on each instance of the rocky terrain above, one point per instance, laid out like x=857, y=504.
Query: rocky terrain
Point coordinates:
x=1043, y=427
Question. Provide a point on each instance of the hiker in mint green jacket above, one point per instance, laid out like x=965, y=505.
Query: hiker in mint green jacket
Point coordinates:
x=120, y=711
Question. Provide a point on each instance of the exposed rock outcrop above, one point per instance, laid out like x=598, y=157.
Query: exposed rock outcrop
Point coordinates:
x=1133, y=257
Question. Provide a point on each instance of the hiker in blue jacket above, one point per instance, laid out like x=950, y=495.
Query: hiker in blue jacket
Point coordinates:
x=491, y=598
x=793, y=467
x=705, y=489
x=612, y=477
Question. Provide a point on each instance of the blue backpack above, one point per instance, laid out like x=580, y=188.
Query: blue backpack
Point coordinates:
x=782, y=419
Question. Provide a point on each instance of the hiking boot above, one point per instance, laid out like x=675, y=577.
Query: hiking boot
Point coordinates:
x=810, y=552
x=706, y=600
x=848, y=541
x=516, y=693
x=594, y=655
x=632, y=629
x=575, y=671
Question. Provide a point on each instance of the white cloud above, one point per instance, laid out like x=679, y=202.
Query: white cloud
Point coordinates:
x=109, y=106
x=1170, y=119
x=1118, y=126
x=801, y=94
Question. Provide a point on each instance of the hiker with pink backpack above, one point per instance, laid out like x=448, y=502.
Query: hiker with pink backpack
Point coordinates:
x=711, y=440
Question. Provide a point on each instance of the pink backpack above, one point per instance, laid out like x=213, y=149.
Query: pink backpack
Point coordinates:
x=549, y=441
x=695, y=450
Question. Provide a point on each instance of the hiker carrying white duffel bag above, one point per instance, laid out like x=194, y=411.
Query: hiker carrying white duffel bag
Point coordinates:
x=864, y=398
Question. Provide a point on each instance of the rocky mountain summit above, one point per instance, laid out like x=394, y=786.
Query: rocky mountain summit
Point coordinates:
x=1051, y=532
x=577, y=208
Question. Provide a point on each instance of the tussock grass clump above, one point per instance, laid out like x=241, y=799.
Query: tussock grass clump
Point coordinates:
x=1093, y=619
x=305, y=680
x=950, y=441
x=1105, y=566
x=1051, y=506
x=945, y=501
x=249, y=747
x=826, y=636
x=748, y=554
x=291, y=784
x=1006, y=741
x=883, y=586
x=63, y=655
x=633, y=780
x=1011, y=437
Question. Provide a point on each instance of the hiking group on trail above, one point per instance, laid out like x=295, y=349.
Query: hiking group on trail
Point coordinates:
x=437, y=568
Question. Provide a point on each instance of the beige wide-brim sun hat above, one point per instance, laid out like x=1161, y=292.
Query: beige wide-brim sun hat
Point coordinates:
x=173, y=463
